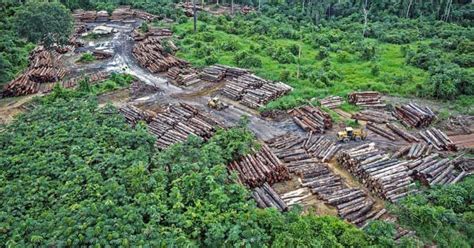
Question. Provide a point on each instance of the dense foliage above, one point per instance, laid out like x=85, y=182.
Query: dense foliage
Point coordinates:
x=44, y=22
x=73, y=174
x=443, y=215
x=335, y=57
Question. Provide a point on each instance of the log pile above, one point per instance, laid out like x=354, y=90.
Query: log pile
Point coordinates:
x=311, y=118
x=414, y=151
x=433, y=170
x=373, y=116
x=386, y=177
x=43, y=67
x=84, y=16
x=331, y=102
x=140, y=89
x=133, y=115
x=413, y=115
x=93, y=78
x=119, y=14
x=101, y=54
x=259, y=167
x=266, y=197
x=188, y=8
x=296, y=196
x=438, y=139
x=380, y=131
x=366, y=99
x=213, y=73
x=402, y=133
x=138, y=35
x=151, y=54
x=246, y=10
x=320, y=147
x=253, y=91
x=183, y=76
x=177, y=122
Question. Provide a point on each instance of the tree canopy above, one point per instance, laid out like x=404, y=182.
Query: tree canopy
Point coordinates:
x=45, y=22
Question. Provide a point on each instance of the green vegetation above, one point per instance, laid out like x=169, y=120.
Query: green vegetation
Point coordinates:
x=86, y=58
x=442, y=216
x=73, y=174
x=44, y=22
x=333, y=59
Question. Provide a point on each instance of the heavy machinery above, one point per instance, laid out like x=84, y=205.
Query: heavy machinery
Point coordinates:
x=351, y=134
x=216, y=103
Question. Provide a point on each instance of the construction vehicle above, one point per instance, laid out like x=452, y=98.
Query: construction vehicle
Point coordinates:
x=351, y=134
x=216, y=103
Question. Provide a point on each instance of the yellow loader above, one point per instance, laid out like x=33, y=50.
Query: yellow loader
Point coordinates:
x=351, y=134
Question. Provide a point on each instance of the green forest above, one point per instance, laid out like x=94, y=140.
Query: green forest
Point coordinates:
x=73, y=173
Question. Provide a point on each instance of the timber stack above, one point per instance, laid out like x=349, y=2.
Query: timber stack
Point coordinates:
x=183, y=76
x=402, y=133
x=331, y=102
x=259, y=167
x=150, y=54
x=366, y=99
x=266, y=197
x=373, y=116
x=414, y=151
x=380, y=131
x=188, y=8
x=121, y=13
x=438, y=139
x=320, y=147
x=216, y=73
x=44, y=67
x=140, y=89
x=413, y=115
x=138, y=35
x=253, y=91
x=388, y=178
x=432, y=170
x=133, y=115
x=311, y=118
x=177, y=122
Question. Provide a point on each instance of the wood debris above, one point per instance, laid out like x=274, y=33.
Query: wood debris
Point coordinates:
x=266, y=197
x=366, y=99
x=177, y=122
x=413, y=115
x=386, y=177
x=373, y=116
x=311, y=118
x=259, y=167
x=438, y=139
x=151, y=54
x=296, y=196
x=331, y=102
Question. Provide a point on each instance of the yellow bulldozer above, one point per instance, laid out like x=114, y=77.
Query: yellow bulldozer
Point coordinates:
x=216, y=103
x=351, y=134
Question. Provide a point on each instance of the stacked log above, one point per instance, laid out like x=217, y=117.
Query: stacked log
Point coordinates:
x=402, y=133
x=366, y=99
x=373, y=116
x=260, y=167
x=133, y=115
x=43, y=67
x=138, y=35
x=380, y=131
x=320, y=147
x=266, y=197
x=213, y=73
x=101, y=54
x=120, y=14
x=93, y=79
x=102, y=16
x=311, y=118
x=296, y=196
x=84, y=16
x=413, y=151
x=151, y=54
x=432, y=170
x=438, y=139
x=183, y=76
x=413, y=115
x=188, y=8
x=140, y=89
x=386, y=177
x=177, y=122
x=253, y=91
x=331, y=102
x=246, y=10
